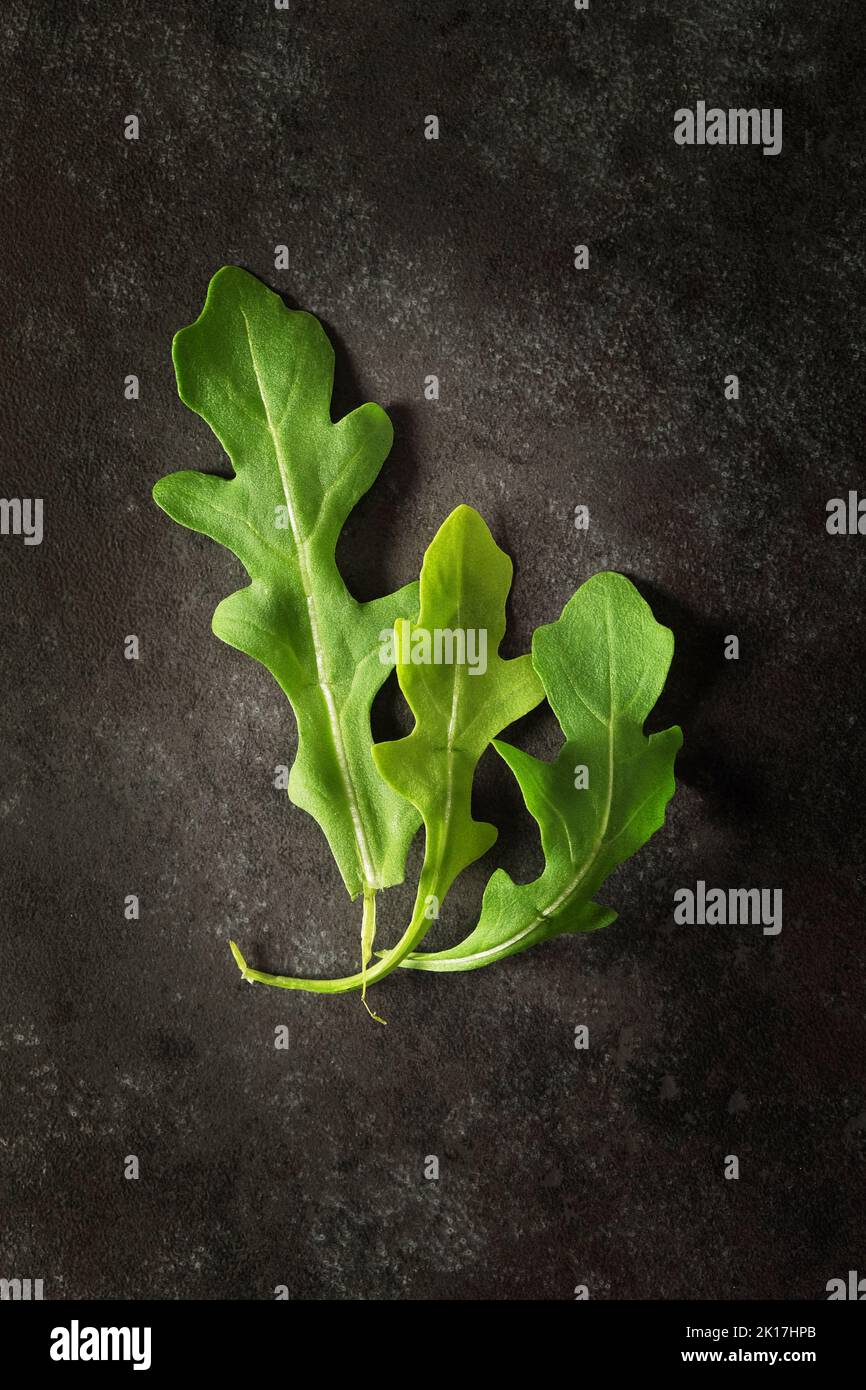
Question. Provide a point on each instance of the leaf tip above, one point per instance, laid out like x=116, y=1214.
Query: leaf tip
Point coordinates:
x=158, y=491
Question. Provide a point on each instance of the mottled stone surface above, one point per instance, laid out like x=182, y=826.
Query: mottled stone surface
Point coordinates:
x=558, y=1167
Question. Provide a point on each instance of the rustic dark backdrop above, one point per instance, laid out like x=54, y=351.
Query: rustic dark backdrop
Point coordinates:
x=558, y=1167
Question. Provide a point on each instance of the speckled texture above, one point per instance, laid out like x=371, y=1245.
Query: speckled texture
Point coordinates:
x=305, y=1167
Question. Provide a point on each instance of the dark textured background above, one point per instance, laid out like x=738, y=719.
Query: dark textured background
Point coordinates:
x=557, y=1167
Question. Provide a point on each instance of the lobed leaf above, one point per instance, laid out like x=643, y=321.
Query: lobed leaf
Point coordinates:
x=465, y=581
x=261, y=375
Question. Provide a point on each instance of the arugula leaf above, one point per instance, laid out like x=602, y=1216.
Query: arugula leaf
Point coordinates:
x=261, y=376
x=603, y=665
x=458, y=707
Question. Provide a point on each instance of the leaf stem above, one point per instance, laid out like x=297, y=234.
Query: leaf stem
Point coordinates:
x=368, y=934
x=417, y=929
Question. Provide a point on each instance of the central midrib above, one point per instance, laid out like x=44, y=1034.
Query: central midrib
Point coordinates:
x=364, y=857
x=449, y=758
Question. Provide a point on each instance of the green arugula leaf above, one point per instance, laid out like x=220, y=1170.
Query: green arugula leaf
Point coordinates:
x=458, y=706
x=603, y=665
x=261, y=376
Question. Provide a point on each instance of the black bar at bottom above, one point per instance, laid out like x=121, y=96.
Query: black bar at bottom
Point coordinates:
x=249, y=1338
